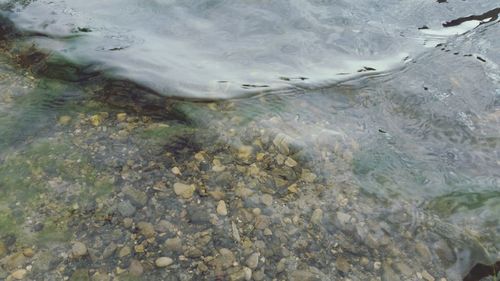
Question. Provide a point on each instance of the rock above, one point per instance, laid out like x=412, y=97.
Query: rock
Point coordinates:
x=64, y=120
x=121, y=117
x=19, y=274
x=96, y=120
x=80, y=274
x=176, y=171
x=14, y=261
x=128, y=222
x=28, y=252
x=235, y=232
x=308, y=176
x=135, y=268
x=109, y=250
x=389, y=274
x=136, y=197
x=3, y=249
x=342, y=264
x=403, y=268
x=423, y=251
x=258, y=275
x=282, y=142
x=126, y=209
x=163, y=261
x=248, y=273
x=266, y=199
x=427, y=276
x=227, y=257
x=290, y=162
x=183, y=190
x=173, y=245
x=238, y=275
x=303, y=275
x=245, y=151
x=221, y=208
x=79, y=250
x=146, y=229
x=343, y=219
x=253, y=260
x=125, y=251
x=317, y=216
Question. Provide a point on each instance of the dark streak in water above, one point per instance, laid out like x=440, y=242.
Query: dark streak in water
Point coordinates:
x=493, y=14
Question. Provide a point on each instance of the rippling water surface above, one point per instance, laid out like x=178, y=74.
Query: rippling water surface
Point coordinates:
x=354, y=139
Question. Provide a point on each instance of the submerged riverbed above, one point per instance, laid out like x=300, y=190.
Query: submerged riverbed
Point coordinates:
x=113, y=167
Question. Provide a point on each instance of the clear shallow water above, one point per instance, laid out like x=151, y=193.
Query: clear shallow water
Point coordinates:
x=392, y=159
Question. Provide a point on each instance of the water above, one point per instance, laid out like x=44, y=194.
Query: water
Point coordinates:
x=346, y=140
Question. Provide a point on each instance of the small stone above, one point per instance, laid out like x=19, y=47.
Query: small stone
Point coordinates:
x=19, y=274
x=308, y=176
x=427, y=276
x=128, y=222
x=183, y=190
x=227, y=257
x=221, y=208
x=164, y=262
x=245, y=151
x=364, y=261
x=423, y=251
x=109, y=250
x=317, y=216
x=403, y=268
x=135, y=268
x=64, y=120
x=28, y=252
x=121, y=117
x=146, y=229
x=79, y=249
x=173, y=245
x=290, y=162
x=342, y=264
x=293, y=188
x=266, y=199
x=137, y=197
x=139, y=248
x=96, y=120
x=377, y=265
x=248, y=273
x=126, y=209
x=217, y=195
x=235, y=231
x=176, y=171
x=237, y=275
x=125, y=251
x=253, y=260
x=343, y=218
x=268, y=232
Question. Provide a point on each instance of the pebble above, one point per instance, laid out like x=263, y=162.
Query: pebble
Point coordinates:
x=121, y=117
x=95, y=120
x=173, y=245
x=19, y=274
x=126, y=209
x=28, y=252
x=423, y=251
x=317, y=216
x=163, y=261
x=245, y=151
x=183, y=190
x=342, y=264
x=221, y=208
x=135, y=268
x=79, y=249
x=266, y=199
x=176, y=171
x=146, y=229
x=290, y=162
x=64, y=120
x=427, y=276
x=253, y=260
x=125, y=251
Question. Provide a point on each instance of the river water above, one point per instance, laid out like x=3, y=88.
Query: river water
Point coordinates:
x=258, y=140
